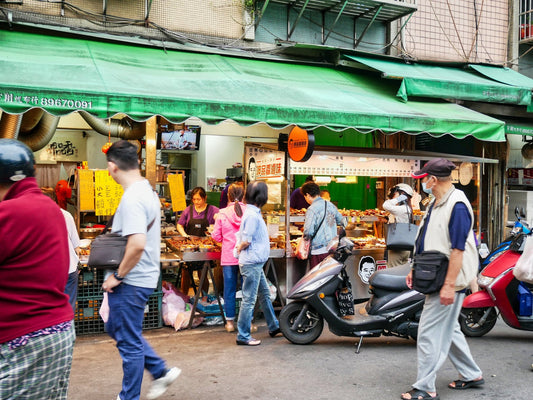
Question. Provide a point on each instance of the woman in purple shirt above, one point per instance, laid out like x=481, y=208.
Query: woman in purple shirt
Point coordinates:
x=194, y=221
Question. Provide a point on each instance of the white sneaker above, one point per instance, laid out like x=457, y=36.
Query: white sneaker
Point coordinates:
x=160, y=386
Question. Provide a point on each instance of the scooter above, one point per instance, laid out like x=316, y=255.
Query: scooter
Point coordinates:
x=519, y=227
x=501, y=293
x=393, y=308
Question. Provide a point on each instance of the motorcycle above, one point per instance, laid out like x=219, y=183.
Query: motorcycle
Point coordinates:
x=393, y=308
x=519, y=227
x=501, y=293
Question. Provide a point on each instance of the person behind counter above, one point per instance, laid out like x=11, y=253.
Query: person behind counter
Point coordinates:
x=297, y=200
x=401, y=210
x=253, y=250
x=194, y=221
x=321, y=220
x=226, y=226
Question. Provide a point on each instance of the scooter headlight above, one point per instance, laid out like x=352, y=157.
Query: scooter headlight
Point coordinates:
x=484, y=281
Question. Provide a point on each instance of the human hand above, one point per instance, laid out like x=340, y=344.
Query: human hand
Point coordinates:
x=447, y=295
x=409, y=280
x=110, y=283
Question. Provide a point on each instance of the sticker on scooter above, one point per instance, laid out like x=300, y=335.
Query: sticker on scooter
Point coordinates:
x=367, y=266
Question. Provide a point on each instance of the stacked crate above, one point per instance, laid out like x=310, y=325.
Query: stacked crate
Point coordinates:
x=90, y=295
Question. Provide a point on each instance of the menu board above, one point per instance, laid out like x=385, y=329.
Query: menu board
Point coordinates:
x=86, y=188
x=107, y=193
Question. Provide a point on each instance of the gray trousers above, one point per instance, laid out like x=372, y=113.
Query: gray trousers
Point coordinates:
x=439, y=337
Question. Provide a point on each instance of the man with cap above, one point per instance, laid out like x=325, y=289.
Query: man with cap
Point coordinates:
x=447, y=228
x=36, y=319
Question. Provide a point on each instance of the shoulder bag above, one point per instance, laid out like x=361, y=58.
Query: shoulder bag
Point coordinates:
x=402, y=235
x=429, y=267
x=107, y=249
x=303, y=245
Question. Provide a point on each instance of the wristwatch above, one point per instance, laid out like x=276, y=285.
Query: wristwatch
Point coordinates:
x=118, y=277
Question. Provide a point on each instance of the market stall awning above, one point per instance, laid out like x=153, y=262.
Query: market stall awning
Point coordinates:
x=519, y=128
x=442, y=82
x=62, y=75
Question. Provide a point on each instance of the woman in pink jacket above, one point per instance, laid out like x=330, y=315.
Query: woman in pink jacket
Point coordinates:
x=226, y=226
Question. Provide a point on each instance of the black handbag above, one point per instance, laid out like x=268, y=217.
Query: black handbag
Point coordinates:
x=429, y=271
x=107, y=249
x=401, y=236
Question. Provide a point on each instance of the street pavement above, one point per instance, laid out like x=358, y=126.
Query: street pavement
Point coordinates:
x=214, y=367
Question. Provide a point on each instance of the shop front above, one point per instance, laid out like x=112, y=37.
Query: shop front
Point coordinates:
x=159, y=87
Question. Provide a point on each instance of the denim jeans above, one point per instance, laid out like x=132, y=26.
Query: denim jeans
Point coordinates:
x=72, y=289
x=231, y=275
x=254, y=285
x=126, y=313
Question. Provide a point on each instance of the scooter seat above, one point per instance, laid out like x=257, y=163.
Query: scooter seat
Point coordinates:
x=391, y=278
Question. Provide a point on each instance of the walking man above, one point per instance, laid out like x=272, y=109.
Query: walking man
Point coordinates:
x=447, y=228
x=128, y=288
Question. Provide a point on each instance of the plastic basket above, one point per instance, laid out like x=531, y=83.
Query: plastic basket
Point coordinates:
x=87, y=319
x=90, y=282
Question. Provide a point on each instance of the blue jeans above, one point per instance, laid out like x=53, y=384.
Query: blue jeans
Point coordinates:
x=231, y=275
x=72, y=289
x=126, y=313
x=254, y=285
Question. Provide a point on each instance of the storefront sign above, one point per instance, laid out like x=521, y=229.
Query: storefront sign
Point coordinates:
x=107, y=193
x=301, y=144
x=263, y=163
x=66, y=145
x=354, y=166
x=520, y=176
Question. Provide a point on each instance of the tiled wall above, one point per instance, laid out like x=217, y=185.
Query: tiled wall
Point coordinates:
x=446, y=30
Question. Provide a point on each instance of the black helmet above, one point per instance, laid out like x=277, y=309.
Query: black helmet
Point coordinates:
x=16, y=161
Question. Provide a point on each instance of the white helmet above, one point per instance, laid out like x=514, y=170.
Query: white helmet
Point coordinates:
x=404, y=187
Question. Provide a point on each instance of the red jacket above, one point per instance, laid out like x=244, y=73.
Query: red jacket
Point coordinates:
x=34, y=262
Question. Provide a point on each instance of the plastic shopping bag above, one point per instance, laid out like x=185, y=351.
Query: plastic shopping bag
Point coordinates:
x=523, y=270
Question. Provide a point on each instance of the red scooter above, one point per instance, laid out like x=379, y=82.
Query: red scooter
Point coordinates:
x=499, y=292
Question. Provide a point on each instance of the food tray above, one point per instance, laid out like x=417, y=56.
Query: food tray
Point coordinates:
x=277, y=253
x=199, y=255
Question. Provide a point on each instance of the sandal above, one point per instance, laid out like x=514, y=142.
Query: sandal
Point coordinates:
x=460, y=384
x=416, y=394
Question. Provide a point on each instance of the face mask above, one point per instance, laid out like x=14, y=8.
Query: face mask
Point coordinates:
x=426, y=189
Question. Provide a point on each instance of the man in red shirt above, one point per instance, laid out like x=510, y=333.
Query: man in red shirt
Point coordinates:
x=36, y=327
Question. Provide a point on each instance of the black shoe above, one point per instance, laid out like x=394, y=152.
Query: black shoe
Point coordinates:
x=275, y=332
x=251, y=342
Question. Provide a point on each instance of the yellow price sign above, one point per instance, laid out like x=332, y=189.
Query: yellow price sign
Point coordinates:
x=86, y=187
x=107, y=193
x=177, y=192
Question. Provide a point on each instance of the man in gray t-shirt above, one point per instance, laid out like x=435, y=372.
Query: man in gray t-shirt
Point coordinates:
x=129, y=287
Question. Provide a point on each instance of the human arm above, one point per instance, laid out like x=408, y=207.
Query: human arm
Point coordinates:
x=182, y=222
x=216, y=234
x=134, y=250
x=447, y=292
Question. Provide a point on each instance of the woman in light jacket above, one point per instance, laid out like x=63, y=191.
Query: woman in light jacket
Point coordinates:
x=226, y=226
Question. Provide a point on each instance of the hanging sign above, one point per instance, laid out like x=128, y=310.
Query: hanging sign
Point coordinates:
x=86, y=187
x=262, y=163
x=300, y=144
x=107, y=193
x=177, y=192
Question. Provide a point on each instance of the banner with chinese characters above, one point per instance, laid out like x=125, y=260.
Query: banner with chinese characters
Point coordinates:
x=86, y=189
x=177, y=192
x=107, y=193
x=263, y=163
x=66, y=145
x=323, y=164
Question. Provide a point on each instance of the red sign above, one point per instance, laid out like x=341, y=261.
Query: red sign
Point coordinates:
x=300, y=144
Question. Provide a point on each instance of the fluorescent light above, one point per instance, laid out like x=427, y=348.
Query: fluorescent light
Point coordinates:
x=322, y=179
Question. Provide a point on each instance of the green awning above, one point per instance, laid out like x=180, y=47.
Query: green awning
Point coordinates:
x=62, y=75
x=519, y=128
x=504, y=75
x=448, y=83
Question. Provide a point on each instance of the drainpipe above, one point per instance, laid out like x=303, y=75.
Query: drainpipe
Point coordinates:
x=10, y=125
x=124, y=128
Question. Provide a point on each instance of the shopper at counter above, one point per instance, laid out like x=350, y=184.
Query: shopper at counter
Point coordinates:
x=36, y=320
x=227, y=225
x=253, y=250
x=297, y=200
x=195, y=221
x=401, y=211
x=321, y=220
x=137, y=217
